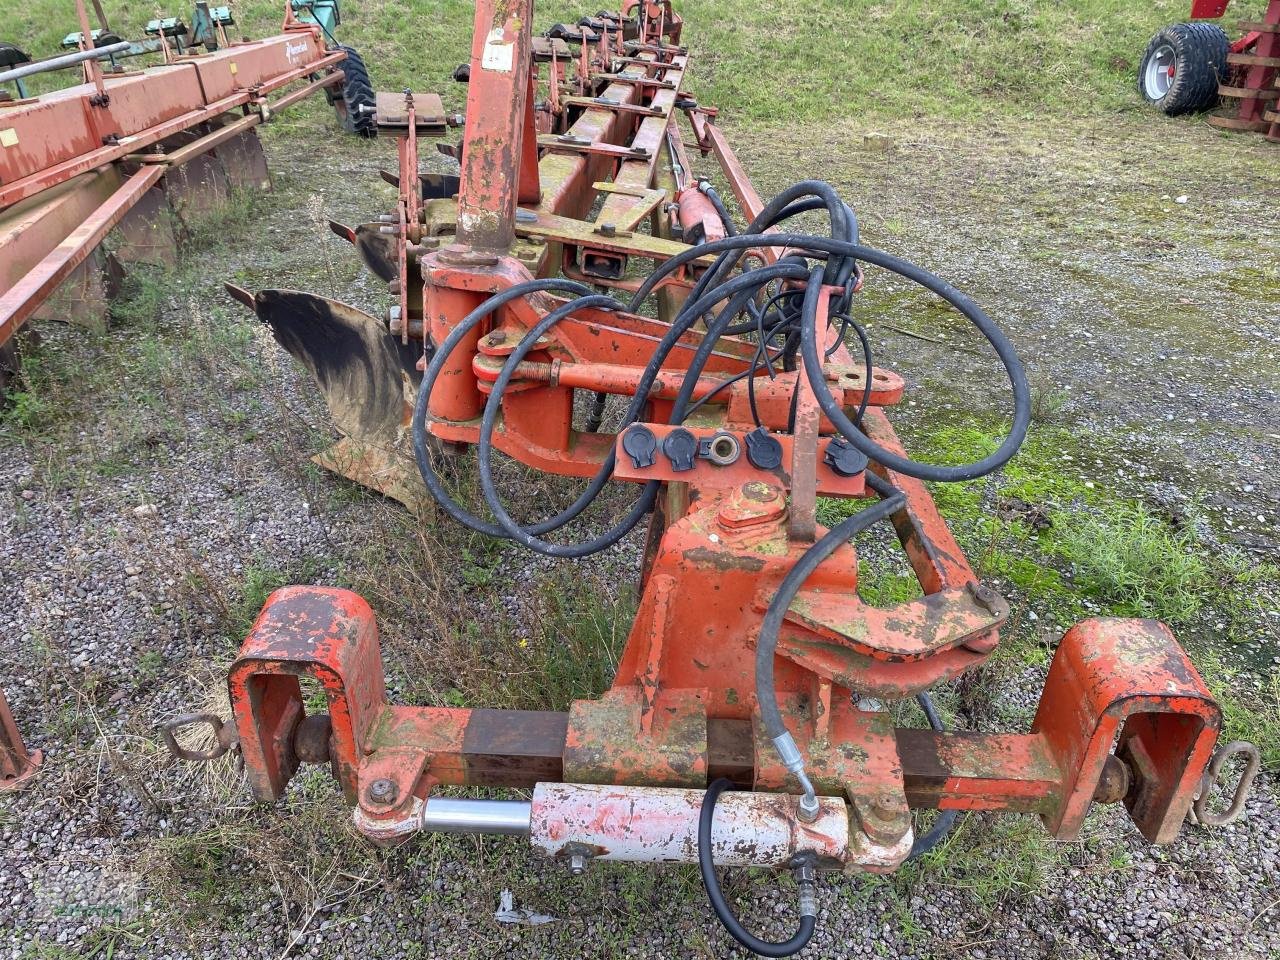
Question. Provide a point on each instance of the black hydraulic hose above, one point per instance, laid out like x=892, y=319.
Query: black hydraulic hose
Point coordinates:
x=767, y=643
x=742, y=287
x=922, y=471
x=596, y=417
x=530, y=536
x=947, y=818
x=838, y=269
x=996, y=337
x=713, y=195
x=418, y=426
x=799, y=197
x=756, y=321
x=730, y=250
x=706, y=865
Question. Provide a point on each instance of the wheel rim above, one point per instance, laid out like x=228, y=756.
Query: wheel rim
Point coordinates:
x=1161, y=68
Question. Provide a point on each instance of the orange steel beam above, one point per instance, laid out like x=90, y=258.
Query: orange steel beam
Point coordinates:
x=501, y=56
x=1125, y=679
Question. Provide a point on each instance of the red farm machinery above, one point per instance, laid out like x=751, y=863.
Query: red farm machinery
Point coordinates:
x=575, y=272
x=141, y=152
x=1195, y=66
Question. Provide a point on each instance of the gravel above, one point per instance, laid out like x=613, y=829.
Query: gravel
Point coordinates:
x=126, y=542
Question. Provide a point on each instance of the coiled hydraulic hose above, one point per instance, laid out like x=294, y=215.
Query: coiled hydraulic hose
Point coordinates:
x=736, y=290
x=996, y=337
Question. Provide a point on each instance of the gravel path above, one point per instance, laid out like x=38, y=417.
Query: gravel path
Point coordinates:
x=135, y=531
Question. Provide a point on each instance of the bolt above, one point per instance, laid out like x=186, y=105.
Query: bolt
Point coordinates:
x=883, y=809
x=578, y=864
x=382, y=790
x=984, y=596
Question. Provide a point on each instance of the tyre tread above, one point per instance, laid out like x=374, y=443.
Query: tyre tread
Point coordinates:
x=357, y=92
x=1201, y=51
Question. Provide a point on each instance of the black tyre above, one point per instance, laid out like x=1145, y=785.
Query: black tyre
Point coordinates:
x=356, y=110
x=1180, y=71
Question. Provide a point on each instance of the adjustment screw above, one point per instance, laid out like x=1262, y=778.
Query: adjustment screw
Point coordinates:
x=578, y=864
x=382, y=790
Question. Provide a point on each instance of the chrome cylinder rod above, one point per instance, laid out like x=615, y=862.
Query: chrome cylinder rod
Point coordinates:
x=454, y=815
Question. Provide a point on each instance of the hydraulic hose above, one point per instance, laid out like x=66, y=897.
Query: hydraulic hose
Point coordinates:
x=707, y=867
x=722, y=211
x=530, y=536
x=767, y=643
x=947, y=818
x=418, y=426
x=1001, y=343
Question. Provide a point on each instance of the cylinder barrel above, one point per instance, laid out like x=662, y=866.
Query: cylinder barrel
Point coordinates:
x=660, y=825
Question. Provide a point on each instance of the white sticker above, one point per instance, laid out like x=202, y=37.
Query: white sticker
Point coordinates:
x=499, y=53
x=9, y=137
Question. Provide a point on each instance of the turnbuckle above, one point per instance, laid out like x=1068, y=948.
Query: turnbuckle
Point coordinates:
x=1200, y=808
x=225, y=736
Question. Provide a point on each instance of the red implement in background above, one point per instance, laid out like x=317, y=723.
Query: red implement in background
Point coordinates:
x=1252, y=75
x=120, y=148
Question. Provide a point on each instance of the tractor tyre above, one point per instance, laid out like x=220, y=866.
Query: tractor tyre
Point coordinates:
x=1180, y=71
x=356, y=113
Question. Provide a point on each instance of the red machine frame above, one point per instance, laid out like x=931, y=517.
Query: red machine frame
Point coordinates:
x=1253, y=67
x=1124, y=715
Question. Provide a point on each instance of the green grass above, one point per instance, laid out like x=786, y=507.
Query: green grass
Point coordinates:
x=804, y=60
x=1137, y=564
x=1100, y=544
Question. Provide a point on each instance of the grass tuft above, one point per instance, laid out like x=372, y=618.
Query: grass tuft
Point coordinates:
x=1136, y=563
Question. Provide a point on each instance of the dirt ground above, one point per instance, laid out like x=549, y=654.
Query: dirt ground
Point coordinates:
x=1135, y=264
